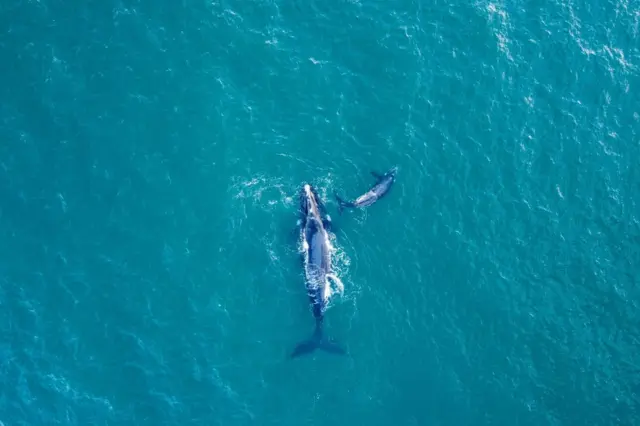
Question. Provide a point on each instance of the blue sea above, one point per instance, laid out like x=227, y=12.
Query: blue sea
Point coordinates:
x=151, y=156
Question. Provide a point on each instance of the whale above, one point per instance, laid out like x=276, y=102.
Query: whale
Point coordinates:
x=380, y=189
x=317, y=251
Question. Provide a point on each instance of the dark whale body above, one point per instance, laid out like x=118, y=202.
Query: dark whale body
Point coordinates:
x=314, y=223
x=379, y=190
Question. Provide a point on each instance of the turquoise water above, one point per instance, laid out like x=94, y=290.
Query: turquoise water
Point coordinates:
x=150, y=158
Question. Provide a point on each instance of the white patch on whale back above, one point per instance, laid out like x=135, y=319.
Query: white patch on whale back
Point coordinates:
x=366, y=196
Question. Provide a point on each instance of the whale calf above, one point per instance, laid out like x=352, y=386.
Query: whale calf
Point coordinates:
x=379, y=190
x=317, y=252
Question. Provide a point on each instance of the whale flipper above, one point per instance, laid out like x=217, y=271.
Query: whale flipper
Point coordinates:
x=377, y=175
x=294, y=233
x=337, y=282
x=317, y=341
x=327, y=223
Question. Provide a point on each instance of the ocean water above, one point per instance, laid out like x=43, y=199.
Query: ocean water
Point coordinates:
x=150, y=156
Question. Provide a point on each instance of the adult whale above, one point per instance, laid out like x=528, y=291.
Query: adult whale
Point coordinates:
x=317, y=251
x=379, y=190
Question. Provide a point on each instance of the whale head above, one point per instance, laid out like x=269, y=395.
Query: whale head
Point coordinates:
x=308, y=202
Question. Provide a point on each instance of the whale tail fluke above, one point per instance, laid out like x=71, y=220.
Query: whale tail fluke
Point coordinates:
x=342, y=204
x=317, y=341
